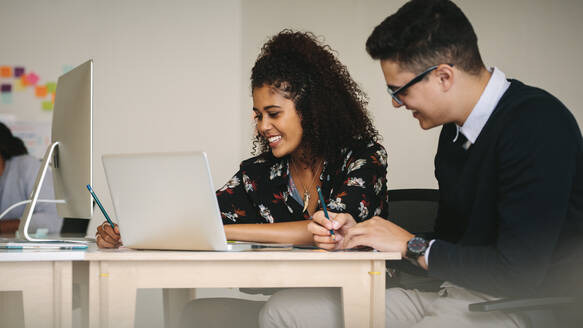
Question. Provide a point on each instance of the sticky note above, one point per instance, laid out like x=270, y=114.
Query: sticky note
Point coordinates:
x=18, y=71
x=31, y=78
x=51, y=87
x=6, y=88
x=41, y=91
x=18, y=85
x=47, y=105
x=5, y=71
x=6, y=98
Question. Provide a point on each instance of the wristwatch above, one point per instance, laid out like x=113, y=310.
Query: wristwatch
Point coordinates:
x=416, y=247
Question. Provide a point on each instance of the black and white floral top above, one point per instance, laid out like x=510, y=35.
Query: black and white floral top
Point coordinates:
x=261, y=193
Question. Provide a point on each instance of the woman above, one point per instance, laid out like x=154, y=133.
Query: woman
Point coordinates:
x=312, y=130
x=18, y=172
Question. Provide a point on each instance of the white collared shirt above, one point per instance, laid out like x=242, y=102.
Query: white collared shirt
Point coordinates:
x=495, y=89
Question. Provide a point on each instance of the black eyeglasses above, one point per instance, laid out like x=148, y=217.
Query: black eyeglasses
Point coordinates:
x=395, y=94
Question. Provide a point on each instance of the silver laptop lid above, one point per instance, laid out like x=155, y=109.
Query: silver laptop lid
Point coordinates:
x=165, y=201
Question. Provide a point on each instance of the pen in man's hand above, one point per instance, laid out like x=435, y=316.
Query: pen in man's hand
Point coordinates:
x=325, y=210
x=100, y=206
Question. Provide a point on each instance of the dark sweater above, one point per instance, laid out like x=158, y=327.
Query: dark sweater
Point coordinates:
x=510, y=219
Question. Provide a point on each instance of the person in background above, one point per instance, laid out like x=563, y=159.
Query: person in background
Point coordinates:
x=509, y=165
x=18, y=172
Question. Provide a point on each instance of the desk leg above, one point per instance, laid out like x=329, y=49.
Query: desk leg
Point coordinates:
x=377, y=294
x=355, y=300
x=86, y=280
x=47, y=298
x=36, y=311
x=174, y=301
x=364, y=305
x=118, y=290
x=62, y=294
x=94, y=299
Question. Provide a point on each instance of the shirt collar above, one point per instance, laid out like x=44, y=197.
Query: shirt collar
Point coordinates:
x=496, y=87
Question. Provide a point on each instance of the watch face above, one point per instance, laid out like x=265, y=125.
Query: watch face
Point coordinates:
x=417, y=245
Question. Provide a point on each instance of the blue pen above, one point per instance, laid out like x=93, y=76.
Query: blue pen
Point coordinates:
x=100, y=206
x=325, y=210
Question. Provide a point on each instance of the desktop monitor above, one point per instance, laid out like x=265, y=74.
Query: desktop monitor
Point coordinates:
x=70, y=151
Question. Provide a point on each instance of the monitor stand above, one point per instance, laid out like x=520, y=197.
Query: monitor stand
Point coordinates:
x=22, y=232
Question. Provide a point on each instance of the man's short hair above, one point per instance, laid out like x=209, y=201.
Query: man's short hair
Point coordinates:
x=424, y=33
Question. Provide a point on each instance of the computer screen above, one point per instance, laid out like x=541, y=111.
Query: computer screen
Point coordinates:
x=70, y=152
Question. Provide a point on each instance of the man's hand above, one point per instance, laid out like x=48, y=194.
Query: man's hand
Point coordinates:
x=320, y=227
x=108, y=237
x=380, y=234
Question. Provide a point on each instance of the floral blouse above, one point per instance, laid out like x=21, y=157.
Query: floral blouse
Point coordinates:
x=260, y=192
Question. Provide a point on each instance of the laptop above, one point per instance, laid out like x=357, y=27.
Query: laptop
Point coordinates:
x=166, y=201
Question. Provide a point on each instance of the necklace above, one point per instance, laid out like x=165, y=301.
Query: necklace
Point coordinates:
x=307, y=190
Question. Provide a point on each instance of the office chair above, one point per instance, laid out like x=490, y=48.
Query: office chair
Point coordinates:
x=540, y=312
x=414, y=210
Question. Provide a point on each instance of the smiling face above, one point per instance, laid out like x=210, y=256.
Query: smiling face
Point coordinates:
x=277, y=121
x=425, y=99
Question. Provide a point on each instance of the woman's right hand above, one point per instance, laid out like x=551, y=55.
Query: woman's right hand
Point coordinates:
x=108, y=237
x=320, y=227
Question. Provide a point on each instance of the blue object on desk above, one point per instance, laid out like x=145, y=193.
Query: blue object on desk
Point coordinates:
x=40, y=245
x=100, y=206
x=325, y=210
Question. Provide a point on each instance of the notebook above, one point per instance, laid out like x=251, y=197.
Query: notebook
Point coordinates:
x=167, y=201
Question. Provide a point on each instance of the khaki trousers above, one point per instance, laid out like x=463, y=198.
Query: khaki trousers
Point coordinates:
x=321, y=308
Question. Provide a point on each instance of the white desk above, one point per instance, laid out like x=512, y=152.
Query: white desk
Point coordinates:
x=109, y=280
x=115, y=275
x=45, y=279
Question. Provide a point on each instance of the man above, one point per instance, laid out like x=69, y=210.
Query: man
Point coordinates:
x=510, y=170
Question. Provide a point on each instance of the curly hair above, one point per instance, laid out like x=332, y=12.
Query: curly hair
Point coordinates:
x=10, y=145
x=331, y=106
x=424, y=33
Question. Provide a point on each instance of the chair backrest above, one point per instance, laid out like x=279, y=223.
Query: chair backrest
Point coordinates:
x=414, y=210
